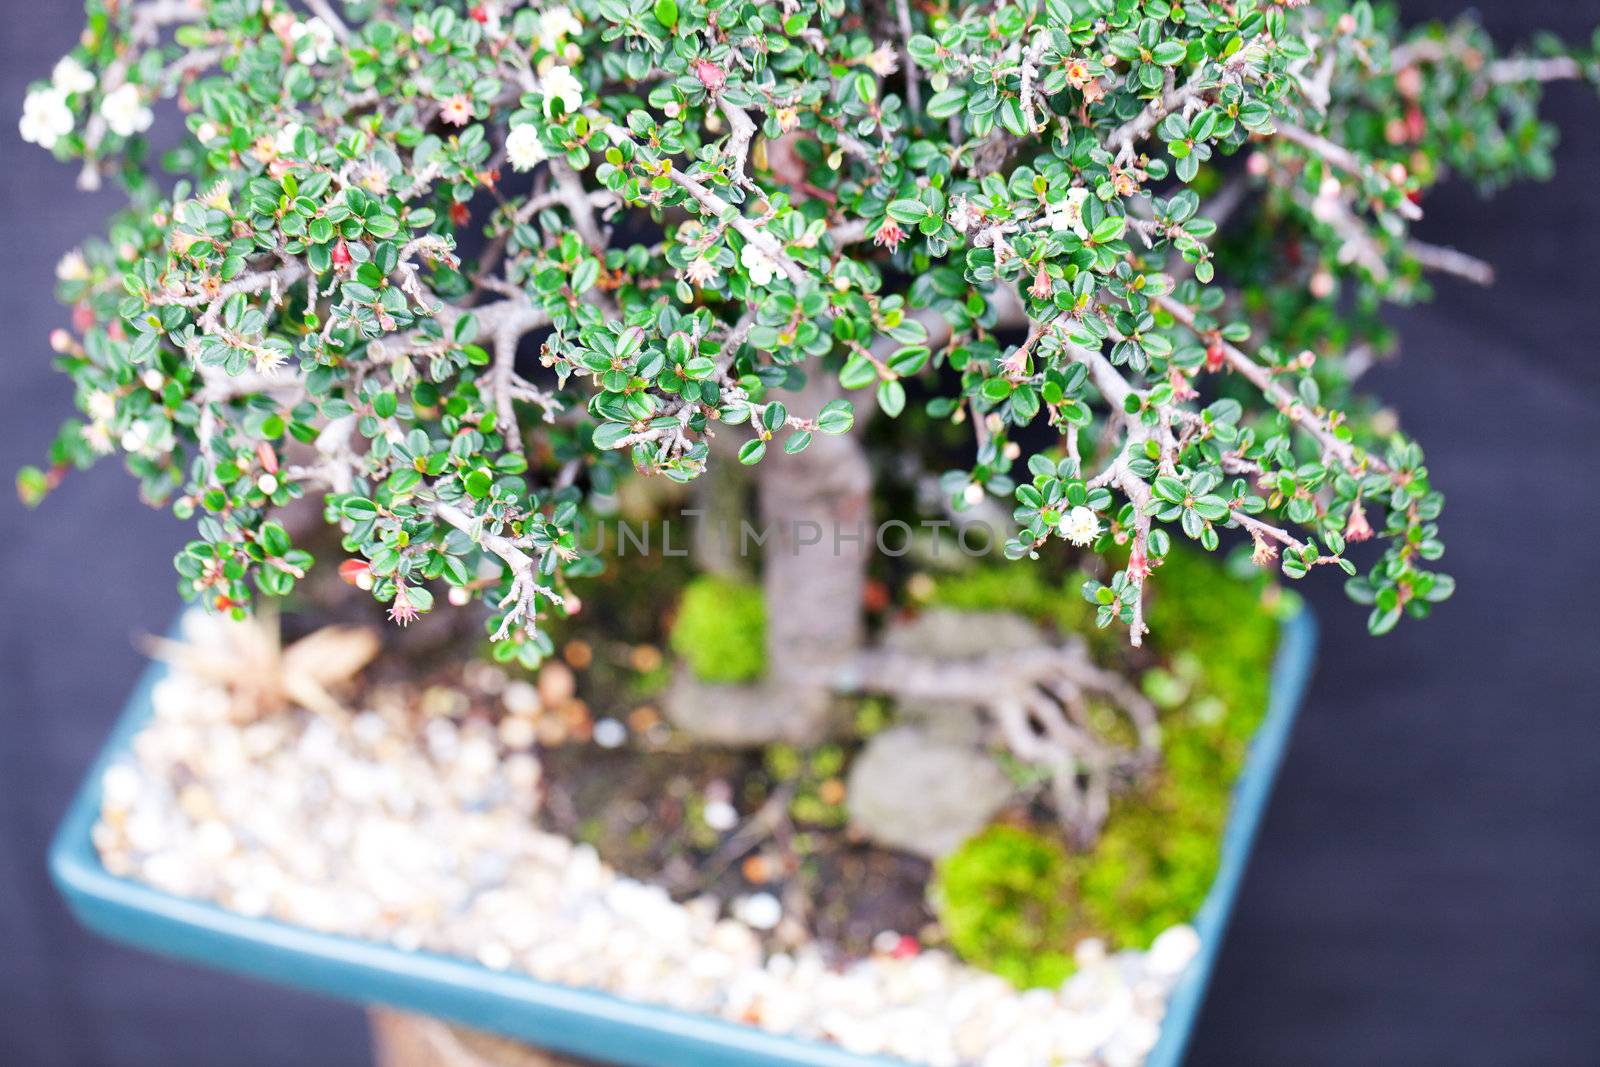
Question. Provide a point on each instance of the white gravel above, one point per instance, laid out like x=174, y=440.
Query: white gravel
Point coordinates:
x=366, y=829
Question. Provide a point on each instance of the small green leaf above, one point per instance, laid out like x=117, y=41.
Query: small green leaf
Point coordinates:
x=908, y=210
x=610, y=434
x=836, y=417
x=32, y=486
x=891, y=398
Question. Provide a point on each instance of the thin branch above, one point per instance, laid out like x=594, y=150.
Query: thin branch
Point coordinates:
x=1285, y=401
x=573, y=196
x=524, y=586
x=1450, y=261
x=1341, y=158
x=1136, y=129
x=324, y=11
x=902, y=10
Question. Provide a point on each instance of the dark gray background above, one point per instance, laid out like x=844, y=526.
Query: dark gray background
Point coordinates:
x=1424, y=887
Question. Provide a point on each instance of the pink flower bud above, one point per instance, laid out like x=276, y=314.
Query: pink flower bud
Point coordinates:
x=711, y=76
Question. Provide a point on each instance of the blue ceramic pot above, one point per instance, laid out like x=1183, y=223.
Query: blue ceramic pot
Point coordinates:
x=578, y=1022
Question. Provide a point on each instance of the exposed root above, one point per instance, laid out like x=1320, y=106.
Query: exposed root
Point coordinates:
x=750, y=715
x=1039, y=701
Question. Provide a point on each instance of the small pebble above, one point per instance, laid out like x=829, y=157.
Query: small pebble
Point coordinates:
x=609, y=733
x=720, y=815
x=761, y=911
x=518, y=731
x=520, y=698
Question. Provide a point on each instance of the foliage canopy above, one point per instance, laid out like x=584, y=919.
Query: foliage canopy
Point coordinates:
x=691, y=204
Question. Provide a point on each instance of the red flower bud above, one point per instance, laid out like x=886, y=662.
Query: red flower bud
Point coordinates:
x=267, y=458
x=1214, y=356
x=355, y=572
x=1416, y=123
x=711, y=76
x=341, y=255
x=1041, y=287
x=1357, y=528
x=1138, y=563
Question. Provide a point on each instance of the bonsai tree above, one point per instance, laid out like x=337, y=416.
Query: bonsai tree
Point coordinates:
x=454, y=270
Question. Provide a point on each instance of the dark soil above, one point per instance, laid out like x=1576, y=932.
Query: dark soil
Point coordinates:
x=642, y=803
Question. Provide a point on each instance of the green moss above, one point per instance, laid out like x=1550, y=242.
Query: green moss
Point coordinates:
x=1022, y=588
x=1214, y=636
x=1000, y=898
x=721, y=630
x=1156, y=860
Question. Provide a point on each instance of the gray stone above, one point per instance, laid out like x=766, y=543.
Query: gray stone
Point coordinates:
x=947, y=634
x=913, y=790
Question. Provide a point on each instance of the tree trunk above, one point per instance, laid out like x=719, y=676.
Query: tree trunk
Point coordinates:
x=816, y=508
x=816, y=536
x=721, y=498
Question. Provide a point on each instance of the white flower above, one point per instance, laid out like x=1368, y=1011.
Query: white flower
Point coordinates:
x=97, y=435
x=207, y=132
x=283, y=143
x=555, y=24
x=46, y=118
x=72, y=267
x=962, y=216
x=124, y=112
x=559, y=84
x=1080, y=526
x=313, y=40
x=758, y=265
x=1069, y=214
x=100, y=406
x=137, y=439
x=70, y=76
x=702, y=272
x=882, y=61
x=524, y=149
